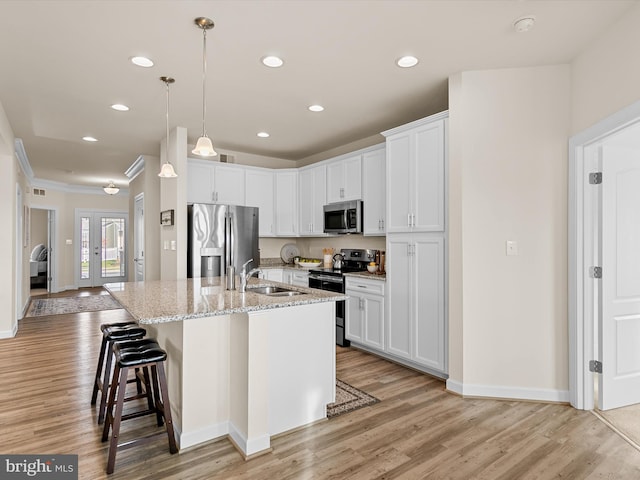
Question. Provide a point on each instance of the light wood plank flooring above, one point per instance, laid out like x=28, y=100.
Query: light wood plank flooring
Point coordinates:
x=417, y=431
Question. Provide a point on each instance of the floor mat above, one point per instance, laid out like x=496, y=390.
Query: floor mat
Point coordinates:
x=57, y=306
x=348, y=399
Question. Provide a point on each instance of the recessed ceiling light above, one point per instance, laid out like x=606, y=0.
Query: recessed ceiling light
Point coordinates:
x=89, y=139
x=524, y=24
x=263, y=134
x=119, y=107
x=316, y=108
x=407, y=61
x=272, y=61
x=142, y=61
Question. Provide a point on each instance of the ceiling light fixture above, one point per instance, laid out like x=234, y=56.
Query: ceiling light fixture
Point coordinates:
x=316, y=108
x=142, y=61
x=111, y=189
x=167, y=170
x=263, y=134
x=89, y=139
x=524, y=24
x=120, y=107
x=204, y=147
x=407, y=61
x=272, y=61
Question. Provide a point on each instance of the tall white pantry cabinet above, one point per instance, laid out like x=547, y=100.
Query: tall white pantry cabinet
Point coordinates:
x=416, y=309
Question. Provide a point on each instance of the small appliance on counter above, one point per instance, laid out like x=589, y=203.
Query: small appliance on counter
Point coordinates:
x=332, y=279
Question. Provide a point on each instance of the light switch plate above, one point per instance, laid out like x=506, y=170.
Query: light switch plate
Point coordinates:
x=68, y=241
x=173, y=244
x=512, y=247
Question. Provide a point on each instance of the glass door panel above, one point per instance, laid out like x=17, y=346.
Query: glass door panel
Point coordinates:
x=103, y=248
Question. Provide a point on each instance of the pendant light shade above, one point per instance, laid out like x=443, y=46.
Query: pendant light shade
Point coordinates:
x=204, y=147
x=111, y=189
x=167, y=170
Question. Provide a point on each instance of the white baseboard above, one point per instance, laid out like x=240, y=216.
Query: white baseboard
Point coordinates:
x=200, y=435
x=9, y=333
x=511, y=393
x=249, y=446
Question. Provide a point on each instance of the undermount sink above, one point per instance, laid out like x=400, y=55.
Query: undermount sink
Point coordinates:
x=273, y=291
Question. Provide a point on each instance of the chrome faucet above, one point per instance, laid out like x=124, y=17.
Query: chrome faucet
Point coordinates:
x=244, y=275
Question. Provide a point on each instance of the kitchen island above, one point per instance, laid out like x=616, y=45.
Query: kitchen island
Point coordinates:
x=247, y=366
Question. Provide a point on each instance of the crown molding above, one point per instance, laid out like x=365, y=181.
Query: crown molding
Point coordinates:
x=23, y=160
x=136, y=168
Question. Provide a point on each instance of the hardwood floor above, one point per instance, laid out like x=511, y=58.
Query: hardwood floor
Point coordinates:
x=417, y=431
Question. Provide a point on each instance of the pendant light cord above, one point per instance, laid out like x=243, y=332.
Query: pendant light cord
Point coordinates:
x=167, y=152
x=204, y=82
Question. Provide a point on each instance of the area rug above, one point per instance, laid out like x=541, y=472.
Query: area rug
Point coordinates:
x=625, y=421
x=348, y=399
x=58, y=306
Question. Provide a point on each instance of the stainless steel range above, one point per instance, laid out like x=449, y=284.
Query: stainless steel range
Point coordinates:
x=332, y=279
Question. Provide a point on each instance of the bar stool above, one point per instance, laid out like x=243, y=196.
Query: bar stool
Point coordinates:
x=142, y=354
x=111, y=333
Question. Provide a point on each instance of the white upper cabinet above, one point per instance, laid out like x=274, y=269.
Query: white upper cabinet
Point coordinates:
x=286, y=203
x=415, y=169
x=312, y=195
x=259, y=192
x=228, y=184
x=199, y=182
x=344, y=179
x=373, y=191
x=213, y=182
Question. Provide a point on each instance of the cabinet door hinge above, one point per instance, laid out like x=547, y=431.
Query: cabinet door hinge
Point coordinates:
x=595, y=366
x=595, y=178
x=595, y=272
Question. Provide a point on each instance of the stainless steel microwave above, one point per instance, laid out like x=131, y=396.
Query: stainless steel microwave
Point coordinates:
x=343, y=217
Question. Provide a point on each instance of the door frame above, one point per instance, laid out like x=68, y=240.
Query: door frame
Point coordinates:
x=138, y=231
x=583, y=229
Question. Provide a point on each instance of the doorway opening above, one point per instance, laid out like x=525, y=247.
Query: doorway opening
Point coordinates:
x=42, y=252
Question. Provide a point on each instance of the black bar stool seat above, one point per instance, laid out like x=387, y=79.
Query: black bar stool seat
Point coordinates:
x=144, y=354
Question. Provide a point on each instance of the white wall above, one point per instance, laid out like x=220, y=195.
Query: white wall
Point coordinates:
x=606, y=77
x=7, y=238
x=508, y=174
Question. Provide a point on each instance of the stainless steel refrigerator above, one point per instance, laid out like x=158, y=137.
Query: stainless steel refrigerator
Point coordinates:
x=218, y=236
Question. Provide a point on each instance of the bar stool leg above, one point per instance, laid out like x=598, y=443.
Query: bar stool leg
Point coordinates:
x=166, y=407
x=105, y=383
x=116, y=418
x=103, y=348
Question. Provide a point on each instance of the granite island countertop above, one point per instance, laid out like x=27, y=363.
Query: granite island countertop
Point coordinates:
x=152, y=302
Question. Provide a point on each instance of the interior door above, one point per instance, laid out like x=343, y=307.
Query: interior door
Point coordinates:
x=619, y=326
x=102, y=247
x=138, y=238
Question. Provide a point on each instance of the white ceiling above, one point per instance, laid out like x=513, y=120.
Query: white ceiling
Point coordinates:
x=63, y=63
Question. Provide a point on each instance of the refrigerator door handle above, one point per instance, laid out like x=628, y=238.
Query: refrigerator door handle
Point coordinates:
x=230, y=239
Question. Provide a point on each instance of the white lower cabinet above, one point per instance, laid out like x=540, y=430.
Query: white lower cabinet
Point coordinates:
x=416, y=326
x=364, y=321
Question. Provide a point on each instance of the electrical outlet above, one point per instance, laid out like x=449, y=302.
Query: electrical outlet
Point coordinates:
x=512, y=247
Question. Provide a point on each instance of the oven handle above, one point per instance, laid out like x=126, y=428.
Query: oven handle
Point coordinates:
x=326, y=278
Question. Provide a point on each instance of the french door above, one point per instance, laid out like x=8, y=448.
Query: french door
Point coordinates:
x=101, y=247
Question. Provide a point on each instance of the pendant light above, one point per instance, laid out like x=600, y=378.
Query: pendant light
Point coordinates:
x=204, y=147
x=111, y=189
x=167, y=170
